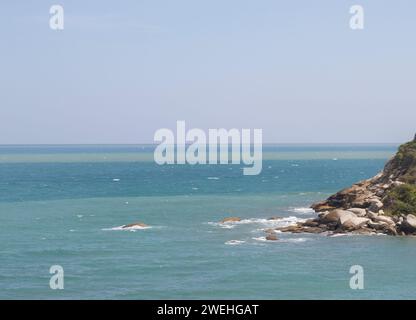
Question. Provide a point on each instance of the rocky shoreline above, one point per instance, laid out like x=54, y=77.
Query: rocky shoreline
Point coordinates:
x=384, y=204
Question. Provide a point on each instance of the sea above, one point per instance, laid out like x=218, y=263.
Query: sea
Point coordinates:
x=65, y=205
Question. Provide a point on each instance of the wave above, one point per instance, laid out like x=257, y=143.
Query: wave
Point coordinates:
x=302, y=210
x=262, y=239
x=234, y=242
x=213, y=178
x=295, y=240
x=264, y=223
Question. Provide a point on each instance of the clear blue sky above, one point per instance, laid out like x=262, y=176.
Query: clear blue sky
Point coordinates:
x=120, y=70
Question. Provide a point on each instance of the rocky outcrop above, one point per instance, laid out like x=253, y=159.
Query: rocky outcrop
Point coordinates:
x=385, y=203
x=230, y=219
x=271, y=237
x=135, y=225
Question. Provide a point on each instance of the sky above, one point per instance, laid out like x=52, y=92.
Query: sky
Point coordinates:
x=121, y=70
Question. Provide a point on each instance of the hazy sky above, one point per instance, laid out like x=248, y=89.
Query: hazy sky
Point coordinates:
x=120, y=70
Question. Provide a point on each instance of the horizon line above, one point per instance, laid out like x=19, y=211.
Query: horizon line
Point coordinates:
x=153, y=144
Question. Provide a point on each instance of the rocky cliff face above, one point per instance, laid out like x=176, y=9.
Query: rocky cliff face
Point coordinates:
x=385, y=203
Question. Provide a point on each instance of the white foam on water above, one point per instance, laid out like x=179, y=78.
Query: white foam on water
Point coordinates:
x=234, y=242
x=295, y=240
x=116, y=180
x=222, y=225
x=263, y=223
x=213, y=178
x=302, y=210
x=262, y=239
x=336, y=235
x=80, y=216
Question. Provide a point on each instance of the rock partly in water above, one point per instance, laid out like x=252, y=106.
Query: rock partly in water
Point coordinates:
x=230, y=219
x=135, y=225
x=408, y=224
x=271, y=237
x=336, y=215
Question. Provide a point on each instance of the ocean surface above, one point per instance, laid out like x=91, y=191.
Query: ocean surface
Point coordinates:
x=64, y=205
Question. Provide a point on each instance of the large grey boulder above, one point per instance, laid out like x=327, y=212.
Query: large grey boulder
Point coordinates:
x=382, y=218
x=409, y=224
x=375, y=205
x=336, y=215
x=359, y=212
x=352, y=223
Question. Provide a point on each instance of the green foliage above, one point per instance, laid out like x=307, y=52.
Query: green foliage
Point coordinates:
x=405, y=161
x=401, y=200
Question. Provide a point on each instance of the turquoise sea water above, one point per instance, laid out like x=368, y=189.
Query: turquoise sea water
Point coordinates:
x=61, y=205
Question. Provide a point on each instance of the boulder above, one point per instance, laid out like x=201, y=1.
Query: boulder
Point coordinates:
x=271, y=237
x=135, y=224
x=391, y=230
x=313, y=230
x=375, y=205
x=352, y=223
x=322, y=206
x=230, y=219
x=293, y=229
x=372, y=215
x=381, y=218
x=409, y=224
x=377, y=225
x=359, y=212
x=335, y=215
x=311, y=223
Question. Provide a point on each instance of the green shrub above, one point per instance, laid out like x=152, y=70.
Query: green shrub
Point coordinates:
x=401, y=200
x=405, y=160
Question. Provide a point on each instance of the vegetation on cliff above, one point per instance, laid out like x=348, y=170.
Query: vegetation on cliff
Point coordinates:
x=403, y=164
x=401, y=200
x=385, y=203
